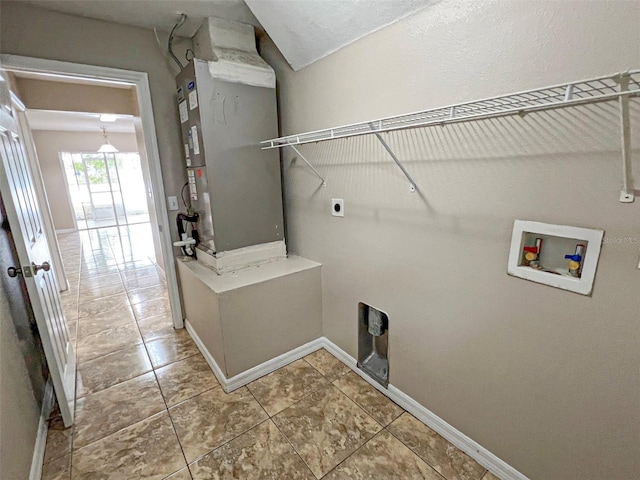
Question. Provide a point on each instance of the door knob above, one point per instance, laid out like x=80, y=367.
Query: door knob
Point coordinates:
x=36, y=268
x=13, y=272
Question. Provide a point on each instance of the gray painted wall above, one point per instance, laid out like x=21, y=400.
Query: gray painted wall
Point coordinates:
x=75, y=39
x=545, y=379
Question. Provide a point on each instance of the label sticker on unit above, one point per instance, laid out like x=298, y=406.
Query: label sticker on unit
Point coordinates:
x=194, y=139
x=184, y=113
x=186, y=155
x=193, y=100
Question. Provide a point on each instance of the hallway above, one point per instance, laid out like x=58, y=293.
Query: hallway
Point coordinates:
x=147, y=404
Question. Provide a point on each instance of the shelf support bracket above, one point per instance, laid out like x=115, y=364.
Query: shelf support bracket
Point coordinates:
x=627, y=195
x=412, y=184
x=324, y=183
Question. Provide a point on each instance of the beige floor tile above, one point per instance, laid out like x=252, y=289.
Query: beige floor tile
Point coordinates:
x=100, y=281
x=165, y=350
x=149, y=293
x=327, y=364
x=213, y=418
x=72, y=269
x=89, y=293
x=111, y=369
x=59, y=469
x=183, y=474
x=450, y=462
x=107, y=341
x=98, y=269
x=109, y=410
x=89, y=307
x=69, y=302
x=70, y=316
x=325, y=428
x=287, y=385
x=142, y=282
x=58, y=440
x=104, y=320
x=383, y=410
x=490, y=476
x=260, y=453
x=98, y=254
x=152, y=308
x=156, y=327
x=135, y=264
x=131, y=274
x=187, y=378
x=71, y=291
x=72, y=327
x=384, y=457
x=146, y=450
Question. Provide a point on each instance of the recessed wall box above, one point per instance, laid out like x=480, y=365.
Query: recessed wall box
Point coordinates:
x=373, y=343
x=565, y=257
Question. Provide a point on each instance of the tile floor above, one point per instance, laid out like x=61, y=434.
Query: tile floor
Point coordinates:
x=148, y=406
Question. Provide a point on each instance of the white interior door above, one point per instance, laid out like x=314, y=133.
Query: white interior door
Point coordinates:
x=23, y=212
x=41, y=194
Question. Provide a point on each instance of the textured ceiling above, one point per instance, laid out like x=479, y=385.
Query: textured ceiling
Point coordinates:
x=308, y=30
x=304, y=30
x=161, y=14
x=77, y=122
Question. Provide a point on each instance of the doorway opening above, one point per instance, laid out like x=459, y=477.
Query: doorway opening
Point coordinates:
x=125, y=213
x=105, y=189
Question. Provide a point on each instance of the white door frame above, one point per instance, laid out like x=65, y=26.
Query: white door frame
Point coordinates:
x=141, y=81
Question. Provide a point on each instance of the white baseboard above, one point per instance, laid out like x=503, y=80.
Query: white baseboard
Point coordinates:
x=454, y=436
x=41, y=439
x=248, y=376
x=66, y=230
x=484, y=457
x=160, y=271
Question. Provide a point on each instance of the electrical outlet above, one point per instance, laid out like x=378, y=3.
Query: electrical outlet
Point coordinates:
x=173, y=203
x=337, y=207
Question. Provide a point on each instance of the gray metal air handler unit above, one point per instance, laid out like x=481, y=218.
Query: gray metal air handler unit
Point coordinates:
x=227, y=107
x=245, y=301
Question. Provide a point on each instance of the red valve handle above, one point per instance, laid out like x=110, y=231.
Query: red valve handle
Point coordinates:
x=531, y=249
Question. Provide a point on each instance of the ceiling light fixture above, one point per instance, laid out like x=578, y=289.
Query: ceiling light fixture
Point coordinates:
x=106, y=147
x=108, y=117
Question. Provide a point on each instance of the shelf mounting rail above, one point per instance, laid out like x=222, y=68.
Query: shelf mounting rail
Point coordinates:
x=620, y=86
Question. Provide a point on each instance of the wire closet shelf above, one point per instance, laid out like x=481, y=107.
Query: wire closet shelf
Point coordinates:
x=594, y=90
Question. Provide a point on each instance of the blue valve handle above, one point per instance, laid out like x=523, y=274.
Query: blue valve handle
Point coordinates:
x=575, y=258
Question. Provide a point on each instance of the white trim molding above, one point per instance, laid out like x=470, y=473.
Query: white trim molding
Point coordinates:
x=41, y=438
x=454, y=436
x=484, y=457
x=141, y=82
